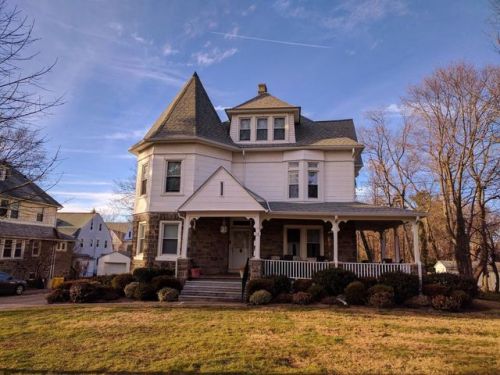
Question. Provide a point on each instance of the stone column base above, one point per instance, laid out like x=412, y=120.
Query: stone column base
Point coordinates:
x=183, y=268
x=256, y=268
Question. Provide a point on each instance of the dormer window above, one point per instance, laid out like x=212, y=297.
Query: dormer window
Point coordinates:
x=245, y=129
x=262, y=129
x=279, y=129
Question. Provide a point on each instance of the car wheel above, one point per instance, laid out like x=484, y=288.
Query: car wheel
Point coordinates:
x=19, y=290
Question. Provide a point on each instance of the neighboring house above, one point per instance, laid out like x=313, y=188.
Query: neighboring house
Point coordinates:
x=269, y=184
x=485, y=281
x=121, y=235
x=30, y=245
x=92, y=239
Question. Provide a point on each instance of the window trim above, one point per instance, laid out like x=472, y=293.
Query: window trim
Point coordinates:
x=240, y=119
x=181, y=185
x=140, y=256
x=303, y=239
x=159, y=255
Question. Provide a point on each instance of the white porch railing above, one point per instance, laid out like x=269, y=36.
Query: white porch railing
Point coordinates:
x=306, y=270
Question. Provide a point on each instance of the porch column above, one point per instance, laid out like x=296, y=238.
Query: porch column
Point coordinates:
x=382, y=245
x=335, y=230
x=257, y=228
x=397, y=251
x=416, y=251
x=185, y=235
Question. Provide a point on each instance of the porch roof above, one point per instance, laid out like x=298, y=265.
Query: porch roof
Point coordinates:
x=357, y=209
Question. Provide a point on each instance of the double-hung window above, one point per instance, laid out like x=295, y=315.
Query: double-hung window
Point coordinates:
x=169, y=239
x=279, y=128
x=35, y=248
x=144, y=179
x=141, y=238
x=293, y=180
x=14, y=210
x=19, y=249
x=39, y=215
x=262, y=129
x=313, y=243
x=7, y=249
x=244, y=129
x=173, y=180
x=312, y=180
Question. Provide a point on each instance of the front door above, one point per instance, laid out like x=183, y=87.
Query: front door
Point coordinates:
x=240, y=249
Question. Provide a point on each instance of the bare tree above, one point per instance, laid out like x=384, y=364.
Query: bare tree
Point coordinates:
x=22, y=146
x=123, y=202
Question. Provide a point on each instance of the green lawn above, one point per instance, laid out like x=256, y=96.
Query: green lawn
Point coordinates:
x=145, y=339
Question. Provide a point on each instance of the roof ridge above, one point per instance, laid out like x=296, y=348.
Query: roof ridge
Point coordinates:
x=338, y=120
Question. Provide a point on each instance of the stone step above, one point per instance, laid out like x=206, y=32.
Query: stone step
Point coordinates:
x=210, y=289
x=207, y=298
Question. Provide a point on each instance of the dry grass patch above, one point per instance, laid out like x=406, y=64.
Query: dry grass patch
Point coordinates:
x=253, y=340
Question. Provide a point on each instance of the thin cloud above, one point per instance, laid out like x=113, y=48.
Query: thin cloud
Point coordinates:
x=125, y=135
x=266, y=40
x=168, y=50
x=213, y=56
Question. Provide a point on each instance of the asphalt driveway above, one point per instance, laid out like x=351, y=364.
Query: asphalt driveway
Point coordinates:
x=30, y=298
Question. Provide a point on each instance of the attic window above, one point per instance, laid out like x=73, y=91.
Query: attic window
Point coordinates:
x=245, y=129
x=279, y=128
x=262, y=129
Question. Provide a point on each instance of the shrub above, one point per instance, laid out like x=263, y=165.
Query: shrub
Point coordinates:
x=283, y=298
x=259, y=284
x=317, y=292
x=68, y=284
x=330, y=300
x=432, y=290
x=302, y=285
x=418, y=301
x=119, y=282
x=83, y=292
x=106, y=293
x=454, y=282
x=334, y=280
x=57, y=296
x=445, y=303
x=405, y=285
x=145, y=292
x=355, y=293
x=102, y=279
x=160, y=282
x=282, y=284
x=381, y=296
x=301, y=298
x=130, y=288
x=168, y=295
x=463, y=297
x=145, y=275
x=368, y=281
x=260, y=297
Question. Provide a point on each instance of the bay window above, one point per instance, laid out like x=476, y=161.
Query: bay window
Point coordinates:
x=293, y=180
x=144, y=179
x=312, y=180
x=141, y=238
x=173, y=179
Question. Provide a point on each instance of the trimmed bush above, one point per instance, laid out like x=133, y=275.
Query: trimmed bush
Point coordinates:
x=168, y=295
x=334, y=280
x=445, y=303
x=381, y=296
x=355, y=293
x=160, y=282
x=83, y=292
x=454, y=282
x=102, y=279
x=130, y=288
x=462, y=297
x=145, y=292
x=260, y=297
x=57, y=296
x=282, y=284
x=368, y=281
x=283, y=298
x=145, y=275
x=317, y=292
x=432, y=290
x=68, y=284
x=106, y=293
x=119, y=282
x=301, y=298
x=259, y=284
x=302, y=285
x=418, y=301
x=404, y=285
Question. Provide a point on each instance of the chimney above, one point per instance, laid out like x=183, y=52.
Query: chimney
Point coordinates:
x=262, y=88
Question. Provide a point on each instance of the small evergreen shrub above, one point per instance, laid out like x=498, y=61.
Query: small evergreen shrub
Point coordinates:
x=301, y=298
x=102, y=279
x=418, y=301
x=334, y=280
x=317, y=292
x=368, y=281
x=168, y=295
x=164, y=281
x=260, y=297
x=106, y=293
x=83, y=292
x=146, y=274
x=282, y=284
x=404, y=285
x=57, y=296
x=435, y=289
x=445, y=303
x=283, y=298
x=119, y=282
x=130, y=288
x=68, y=284
x=454, y=282
x=463, y=297
x=259, y=284
x=302, y=285
x=355, y=293
x=381, y=296
x=145, y=292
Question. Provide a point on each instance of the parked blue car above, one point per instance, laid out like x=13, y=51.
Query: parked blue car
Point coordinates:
x=11, y=285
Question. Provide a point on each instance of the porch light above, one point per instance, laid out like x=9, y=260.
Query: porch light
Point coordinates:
x=223, y=227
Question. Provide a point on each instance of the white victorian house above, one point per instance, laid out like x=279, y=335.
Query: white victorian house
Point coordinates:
x=268, y=184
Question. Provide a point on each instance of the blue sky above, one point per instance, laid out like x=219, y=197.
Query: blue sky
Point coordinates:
x=121, y=62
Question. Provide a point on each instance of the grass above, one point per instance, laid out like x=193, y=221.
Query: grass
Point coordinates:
x=249, y=340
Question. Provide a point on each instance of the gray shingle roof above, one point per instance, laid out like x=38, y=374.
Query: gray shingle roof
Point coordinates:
x=18, y=186
x=342, y=208
x=38, y=232
x=71, y=222
x=264, y=100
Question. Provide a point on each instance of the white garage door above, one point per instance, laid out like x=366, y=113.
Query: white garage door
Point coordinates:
x=115, y=268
